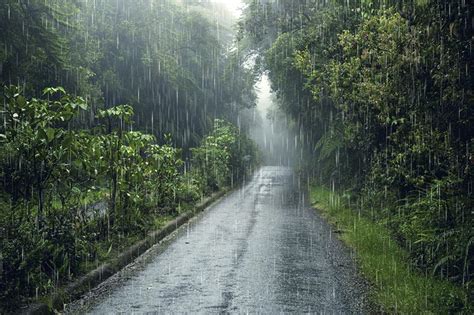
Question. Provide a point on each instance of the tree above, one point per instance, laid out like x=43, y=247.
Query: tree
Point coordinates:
x=378, y=91
x=33, y=46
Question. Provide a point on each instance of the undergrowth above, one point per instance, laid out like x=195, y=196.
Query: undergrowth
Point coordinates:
x=397, y=286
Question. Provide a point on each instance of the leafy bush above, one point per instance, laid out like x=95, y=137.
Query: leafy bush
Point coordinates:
x=224, y=157
x=53, y=176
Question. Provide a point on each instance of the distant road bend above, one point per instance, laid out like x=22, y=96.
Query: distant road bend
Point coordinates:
x=261, y=249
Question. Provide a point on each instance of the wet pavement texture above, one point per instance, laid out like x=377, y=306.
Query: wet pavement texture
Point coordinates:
x=261, y=249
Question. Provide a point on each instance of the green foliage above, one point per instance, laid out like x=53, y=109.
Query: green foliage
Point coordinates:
x=36, y=153
x=164, y=59
x=382, y=93
x=164, y=165
x=81, y=177
x=399, y=288
x=37, y=140
x=33, y=43
x=225, y=156
x=72, y=197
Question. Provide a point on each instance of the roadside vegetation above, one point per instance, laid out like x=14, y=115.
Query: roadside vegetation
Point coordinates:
x=381, y=96
x=82, y=176
x=398, y=286
x=72, y=197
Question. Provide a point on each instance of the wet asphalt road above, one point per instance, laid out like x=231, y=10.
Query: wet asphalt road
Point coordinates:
x=261, y=249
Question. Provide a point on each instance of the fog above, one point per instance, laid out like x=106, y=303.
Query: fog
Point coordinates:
x=120, y=119
x=271, y=129
x=234, y=6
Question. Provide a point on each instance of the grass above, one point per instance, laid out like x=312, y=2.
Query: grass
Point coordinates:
x=160, y=221
x=397, y=287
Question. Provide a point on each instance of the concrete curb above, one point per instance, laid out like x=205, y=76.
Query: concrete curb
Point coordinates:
x=90, y=280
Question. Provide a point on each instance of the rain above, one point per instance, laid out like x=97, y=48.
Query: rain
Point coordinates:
x=236, y=156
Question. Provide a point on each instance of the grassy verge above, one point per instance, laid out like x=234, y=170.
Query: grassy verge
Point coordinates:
x=398, y=288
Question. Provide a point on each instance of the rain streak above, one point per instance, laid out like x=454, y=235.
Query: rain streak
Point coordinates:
x=236, y=156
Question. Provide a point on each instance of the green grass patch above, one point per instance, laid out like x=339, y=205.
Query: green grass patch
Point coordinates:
x=398, y=288
x=161, y=221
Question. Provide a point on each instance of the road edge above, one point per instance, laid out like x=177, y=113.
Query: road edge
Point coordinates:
x=56, y=301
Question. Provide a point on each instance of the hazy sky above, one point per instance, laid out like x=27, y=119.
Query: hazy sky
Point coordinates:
x=233, y=5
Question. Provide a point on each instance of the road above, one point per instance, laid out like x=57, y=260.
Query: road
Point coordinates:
x=261, y=249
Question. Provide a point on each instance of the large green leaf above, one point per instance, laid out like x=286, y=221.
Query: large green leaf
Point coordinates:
x=50, y=133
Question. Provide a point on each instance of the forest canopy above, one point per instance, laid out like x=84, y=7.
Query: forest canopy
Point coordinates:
x=169, y=61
